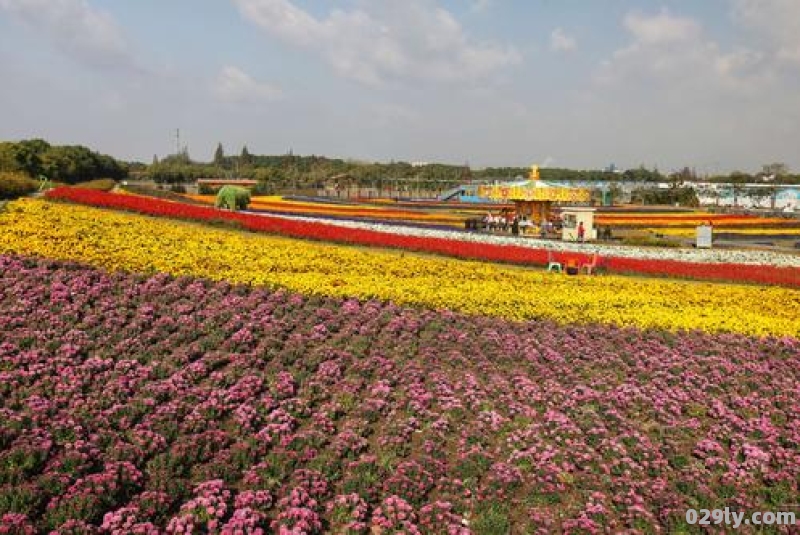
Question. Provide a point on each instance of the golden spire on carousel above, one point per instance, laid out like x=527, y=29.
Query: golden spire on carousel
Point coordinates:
x=534, y=172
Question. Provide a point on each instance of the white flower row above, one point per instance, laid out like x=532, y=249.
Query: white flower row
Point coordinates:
x=709, y=256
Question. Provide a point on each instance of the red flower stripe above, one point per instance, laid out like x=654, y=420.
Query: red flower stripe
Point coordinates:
x=456, y=248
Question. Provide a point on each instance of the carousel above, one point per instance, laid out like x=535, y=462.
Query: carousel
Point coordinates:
x=534, y=198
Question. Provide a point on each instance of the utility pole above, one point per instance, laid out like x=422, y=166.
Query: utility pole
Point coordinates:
x=177, y=142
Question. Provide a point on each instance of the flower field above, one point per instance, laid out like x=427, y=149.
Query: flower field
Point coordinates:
x=119, y=241
x=679, y=260
x=728, y=227
x=454, y=215
x=275, y=204
x=651, y=219
x=462, y=248
x=154, y=404
x=164, y=371
x=768, y=231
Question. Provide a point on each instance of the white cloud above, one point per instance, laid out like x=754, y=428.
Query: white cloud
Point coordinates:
x=88, y=35
x=672, y=53
x=236, y=86
x=561, y=42
x=663, y=28
x=674, y=94
x=383, y=42
x=776, y=21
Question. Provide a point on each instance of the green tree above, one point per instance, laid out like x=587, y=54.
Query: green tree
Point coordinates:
x=63, y=163
x=465, y=173
x=27, y=156
x=615, y=192
x=182, y=158
x=738, y=180
x=777, y=171
x=15, y=184
x=641, y=174
x=219, y=155
x=8, y=161
x=245, y=158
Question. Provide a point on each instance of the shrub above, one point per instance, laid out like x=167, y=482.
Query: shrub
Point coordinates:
x=205, y=189
x=232, y=198
x=178, y=188
x=13, y=185
x=263, y=188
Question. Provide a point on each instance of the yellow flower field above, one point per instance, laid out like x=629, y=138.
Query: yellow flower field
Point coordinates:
x=690, y=232
x=119, y=241
x=279, y=204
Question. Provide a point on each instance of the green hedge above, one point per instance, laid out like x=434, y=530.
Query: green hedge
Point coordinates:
x=13, y=185
x=232, y=198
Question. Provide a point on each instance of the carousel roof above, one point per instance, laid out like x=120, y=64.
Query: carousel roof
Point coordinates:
x=533, y=190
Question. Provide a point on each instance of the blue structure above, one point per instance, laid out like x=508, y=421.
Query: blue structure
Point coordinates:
x=464, y=193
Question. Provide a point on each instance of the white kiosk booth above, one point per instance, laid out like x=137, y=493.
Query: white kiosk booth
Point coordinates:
x=705, y=237
x=572, y=217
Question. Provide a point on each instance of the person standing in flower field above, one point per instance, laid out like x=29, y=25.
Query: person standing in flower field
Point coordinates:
x=581, y=231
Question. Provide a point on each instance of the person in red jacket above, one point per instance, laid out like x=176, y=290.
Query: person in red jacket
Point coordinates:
x=581, y=231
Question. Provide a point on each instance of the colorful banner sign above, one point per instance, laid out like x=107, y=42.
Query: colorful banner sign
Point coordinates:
x=501, y=192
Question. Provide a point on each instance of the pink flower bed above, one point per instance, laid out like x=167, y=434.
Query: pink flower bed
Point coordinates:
x=163, y=405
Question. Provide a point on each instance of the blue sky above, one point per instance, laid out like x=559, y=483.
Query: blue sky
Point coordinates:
x=713, y=85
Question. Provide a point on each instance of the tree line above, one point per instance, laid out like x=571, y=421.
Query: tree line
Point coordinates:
x=290, y=170
x=69, y=164
x=72, y=164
